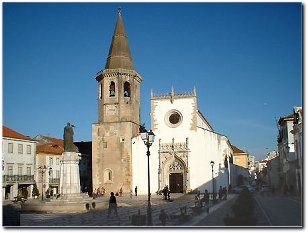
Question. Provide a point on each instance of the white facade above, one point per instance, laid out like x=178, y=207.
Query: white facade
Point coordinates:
x=18, y=166
x=184, y=146
x=298, y=142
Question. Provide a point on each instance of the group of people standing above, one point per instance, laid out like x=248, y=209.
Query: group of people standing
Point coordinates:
x=98, y=192
x=166, y=193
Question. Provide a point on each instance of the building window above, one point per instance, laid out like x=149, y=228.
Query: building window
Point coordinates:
x=10, y=147
x=19, y=171
x=20, y=148
x=108, y=175
x=28, y=171
x=50, y=173
x=100, y=91
x=50, y=161
x=112, y=89
x=28, y=149
x=126, y=89
x=173, y=118
x=57, y=174
x=57, y=161
x=10, y=170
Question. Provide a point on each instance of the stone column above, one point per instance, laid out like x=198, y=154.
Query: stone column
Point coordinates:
x=69, y=179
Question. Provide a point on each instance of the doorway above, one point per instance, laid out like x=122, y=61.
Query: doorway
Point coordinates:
x=176, y=182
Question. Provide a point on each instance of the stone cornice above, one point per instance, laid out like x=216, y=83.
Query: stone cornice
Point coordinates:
x=118, y=72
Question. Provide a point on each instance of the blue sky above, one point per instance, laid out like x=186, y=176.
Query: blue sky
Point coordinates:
x=243, y=58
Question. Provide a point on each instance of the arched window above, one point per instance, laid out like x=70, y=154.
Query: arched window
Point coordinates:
x=126, y=89
x=100, y=91
x=108, y=175
x=112, y=89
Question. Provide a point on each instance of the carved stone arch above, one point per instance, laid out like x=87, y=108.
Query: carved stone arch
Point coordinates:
x=174, y=166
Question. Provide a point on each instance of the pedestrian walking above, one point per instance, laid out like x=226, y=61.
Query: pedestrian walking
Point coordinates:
x=168, y=194
x=163, y=217
x=220, y=193
x=206, y=199
x=112, y=205
x=136, y=191
x=224, y=193
x=165, y=192
x=121, y=191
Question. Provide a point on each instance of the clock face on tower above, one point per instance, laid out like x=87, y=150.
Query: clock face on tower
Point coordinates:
x=173, y=118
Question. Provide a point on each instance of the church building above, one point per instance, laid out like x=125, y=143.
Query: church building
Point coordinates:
x=184, y=146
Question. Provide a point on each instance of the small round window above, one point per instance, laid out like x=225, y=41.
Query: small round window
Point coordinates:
x=173, y=118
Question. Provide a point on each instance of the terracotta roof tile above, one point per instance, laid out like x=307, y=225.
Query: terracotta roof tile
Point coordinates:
x=7, y=132
x=49, y=148
x=236, y=150
x=50, y=145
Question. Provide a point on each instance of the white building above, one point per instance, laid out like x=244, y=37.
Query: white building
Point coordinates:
x=185, y=144
x=286, y=152
x=298, y=139
x=18, y=153
x=49, y=153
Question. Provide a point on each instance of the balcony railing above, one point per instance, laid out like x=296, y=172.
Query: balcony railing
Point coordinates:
x=54, y=180
x=19, y=178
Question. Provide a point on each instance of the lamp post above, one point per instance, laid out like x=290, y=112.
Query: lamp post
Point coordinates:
x=214, y=194
x=148, y=139
x=42, y=170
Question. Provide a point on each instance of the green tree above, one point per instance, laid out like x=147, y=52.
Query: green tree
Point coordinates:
x=35, y=191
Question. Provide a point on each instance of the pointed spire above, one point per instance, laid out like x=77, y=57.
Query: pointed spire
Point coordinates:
x=119, y=53
x=195, y=91
x=172, y=94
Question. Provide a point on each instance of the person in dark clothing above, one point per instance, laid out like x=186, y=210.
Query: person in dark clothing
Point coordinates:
x=163, y=217
x=112, y=205
x=165, y=192
x=220, y=193
x=136, y=191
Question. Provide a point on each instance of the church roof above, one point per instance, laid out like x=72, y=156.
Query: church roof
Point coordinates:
x=119, y=53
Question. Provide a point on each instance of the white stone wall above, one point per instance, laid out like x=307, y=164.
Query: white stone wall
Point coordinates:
x=205, y=146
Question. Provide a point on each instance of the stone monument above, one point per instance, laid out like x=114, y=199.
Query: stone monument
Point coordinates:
x=71, y=198
x=69, y=179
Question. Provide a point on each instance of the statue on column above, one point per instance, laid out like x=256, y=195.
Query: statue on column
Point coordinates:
x=68, y=138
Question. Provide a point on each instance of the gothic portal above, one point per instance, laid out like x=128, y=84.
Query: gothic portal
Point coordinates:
x=173, y=166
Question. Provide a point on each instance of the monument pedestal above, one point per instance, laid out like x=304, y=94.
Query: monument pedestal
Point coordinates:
x=71, y=199
x=70, y=179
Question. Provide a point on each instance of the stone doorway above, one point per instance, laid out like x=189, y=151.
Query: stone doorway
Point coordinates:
x=176, y=182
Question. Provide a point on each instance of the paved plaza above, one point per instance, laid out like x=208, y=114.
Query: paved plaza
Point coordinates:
x=127, y=207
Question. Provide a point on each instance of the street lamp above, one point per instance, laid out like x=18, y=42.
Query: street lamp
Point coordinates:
x=214, y=195
x=42, y=170
x=148, y=139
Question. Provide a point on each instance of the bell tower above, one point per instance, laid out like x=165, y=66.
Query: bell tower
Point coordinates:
x=118, y=116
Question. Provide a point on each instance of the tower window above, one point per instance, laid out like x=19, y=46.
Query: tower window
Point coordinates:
x=112, y=89
x=100, y=91
x=126, y=89
x=108, y=176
